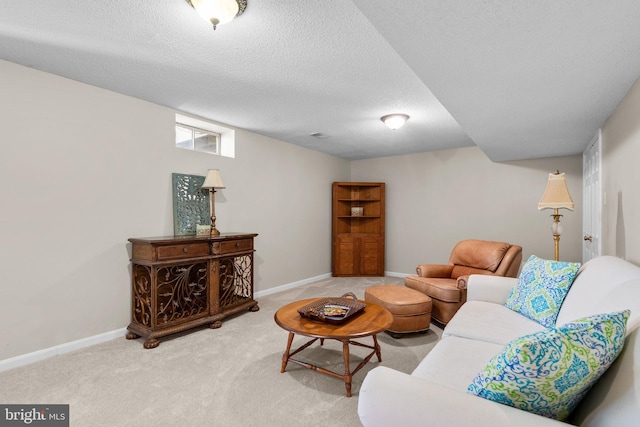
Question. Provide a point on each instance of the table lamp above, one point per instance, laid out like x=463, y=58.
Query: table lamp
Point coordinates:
x=212, y=182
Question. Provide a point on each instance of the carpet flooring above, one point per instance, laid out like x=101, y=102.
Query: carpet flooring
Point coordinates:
x=214, y=377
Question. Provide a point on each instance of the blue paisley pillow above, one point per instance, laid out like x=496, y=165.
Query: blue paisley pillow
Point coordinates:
x=549, y=372
x=541, y=288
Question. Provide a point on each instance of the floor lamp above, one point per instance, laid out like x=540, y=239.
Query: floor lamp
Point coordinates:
x=212, y=182
x=556, y=196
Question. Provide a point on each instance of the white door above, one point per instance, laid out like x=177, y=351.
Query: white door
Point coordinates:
x=592, y=199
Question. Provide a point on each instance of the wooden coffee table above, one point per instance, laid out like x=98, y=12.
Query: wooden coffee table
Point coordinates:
x=372, y=321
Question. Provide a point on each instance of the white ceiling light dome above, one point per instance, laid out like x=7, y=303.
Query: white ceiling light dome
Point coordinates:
x=395, y=121
x=218, y=11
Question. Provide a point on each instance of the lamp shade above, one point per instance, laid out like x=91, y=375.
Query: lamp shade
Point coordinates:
x=556, y=196
x=213, y=180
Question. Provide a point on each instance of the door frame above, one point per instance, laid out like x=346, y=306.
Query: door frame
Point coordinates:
x=592, y=201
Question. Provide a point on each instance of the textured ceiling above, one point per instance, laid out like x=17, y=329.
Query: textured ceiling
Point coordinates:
x=521, y=79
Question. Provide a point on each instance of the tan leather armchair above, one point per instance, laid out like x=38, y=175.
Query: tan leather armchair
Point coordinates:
x=447, y=284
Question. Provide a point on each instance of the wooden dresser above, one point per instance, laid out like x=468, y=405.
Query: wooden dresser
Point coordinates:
x=180, y=282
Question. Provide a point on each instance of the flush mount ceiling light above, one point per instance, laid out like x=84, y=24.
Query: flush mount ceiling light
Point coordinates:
x=395, y=121
x=218, y=11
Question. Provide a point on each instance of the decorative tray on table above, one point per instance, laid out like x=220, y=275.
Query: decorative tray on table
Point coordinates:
x=333, y=310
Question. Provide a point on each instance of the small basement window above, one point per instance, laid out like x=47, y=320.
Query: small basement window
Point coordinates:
x=197, y=139
x=205, y=137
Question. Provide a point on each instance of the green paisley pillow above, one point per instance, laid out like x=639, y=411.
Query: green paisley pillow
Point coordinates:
x=549, y=372
x=541, y=288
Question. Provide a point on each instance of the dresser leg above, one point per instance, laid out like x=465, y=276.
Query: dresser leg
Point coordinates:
x=131, y=336
x=151, y=343
x=254, y=308
x=215, y=325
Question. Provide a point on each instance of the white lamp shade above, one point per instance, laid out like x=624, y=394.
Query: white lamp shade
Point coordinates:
x=213, y=180
x=216, y=11
x=556, y=195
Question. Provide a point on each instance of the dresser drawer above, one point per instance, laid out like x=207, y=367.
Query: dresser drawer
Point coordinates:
x=185, y=250
x=230, y=246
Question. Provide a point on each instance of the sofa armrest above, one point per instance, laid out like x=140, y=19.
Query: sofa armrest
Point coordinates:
x=434, y=270
x=392, y=398
x=496, y=289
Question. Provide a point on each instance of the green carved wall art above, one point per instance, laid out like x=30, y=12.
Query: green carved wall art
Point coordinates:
x=190, y=204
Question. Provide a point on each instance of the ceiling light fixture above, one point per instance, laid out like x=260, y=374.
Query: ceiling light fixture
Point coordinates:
x=395, y=121
x=218, y=11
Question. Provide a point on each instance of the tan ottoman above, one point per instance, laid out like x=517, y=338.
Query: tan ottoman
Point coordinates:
x=411, y=309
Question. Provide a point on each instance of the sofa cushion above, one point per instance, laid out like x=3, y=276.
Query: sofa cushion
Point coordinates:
x=549, y=372
x=490, y=322
x=455, y=361
x=541, y=287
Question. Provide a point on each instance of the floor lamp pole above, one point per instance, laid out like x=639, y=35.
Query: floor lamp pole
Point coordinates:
x=556, y=229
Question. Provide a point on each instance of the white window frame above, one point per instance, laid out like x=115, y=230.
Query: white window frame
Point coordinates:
x=210, y=149
x=226, y=136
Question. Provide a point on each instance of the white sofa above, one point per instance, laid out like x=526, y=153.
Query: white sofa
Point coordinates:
x=435, y=393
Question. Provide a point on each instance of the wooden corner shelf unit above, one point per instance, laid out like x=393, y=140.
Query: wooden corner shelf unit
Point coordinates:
x=358, y=229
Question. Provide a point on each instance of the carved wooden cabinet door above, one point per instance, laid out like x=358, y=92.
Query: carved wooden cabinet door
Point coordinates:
x=236, y=280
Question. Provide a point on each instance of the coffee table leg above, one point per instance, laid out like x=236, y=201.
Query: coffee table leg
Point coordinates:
x=285, y=356
x=347, y=369
x=377, y=348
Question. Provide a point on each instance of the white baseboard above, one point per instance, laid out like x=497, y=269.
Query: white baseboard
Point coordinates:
x=314, y=279
x=393, y=274
x=57, y=350
x=311, y=280
x=291, y=285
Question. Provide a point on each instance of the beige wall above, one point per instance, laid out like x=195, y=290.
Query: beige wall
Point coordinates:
x=437, y=199
x=620, y=179
x=83, y=169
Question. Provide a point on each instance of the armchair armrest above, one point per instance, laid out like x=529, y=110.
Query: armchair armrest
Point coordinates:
x=434, y=270
x=392, y=398
x=496, y=289
x=462, y=282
